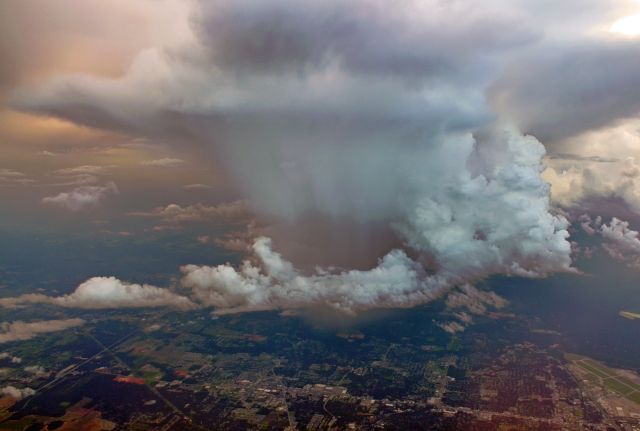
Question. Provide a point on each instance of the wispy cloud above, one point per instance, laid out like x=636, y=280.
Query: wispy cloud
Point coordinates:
x=196, y=187
x=13, y=177
x=84, y=169
x=165, y=162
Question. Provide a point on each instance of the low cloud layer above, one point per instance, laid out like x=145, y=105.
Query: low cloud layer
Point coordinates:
x=469, y=301
x=397, y=281
x=273, y=283
x=475, y=301
x=13, y=177
x=83, y=197
x=451, y=327
x=107, y=292
x=18, y=330
x=175, y=214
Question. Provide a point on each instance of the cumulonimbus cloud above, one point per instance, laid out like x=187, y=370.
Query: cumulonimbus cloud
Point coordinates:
x=348, y=111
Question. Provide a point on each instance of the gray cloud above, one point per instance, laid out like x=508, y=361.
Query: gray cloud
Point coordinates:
x=279, y=37
x=559, y=91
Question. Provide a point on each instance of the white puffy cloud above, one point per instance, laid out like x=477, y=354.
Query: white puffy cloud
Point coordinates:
x=16, y=393
x=18, y=330
x=621, y=242
x=597, y=164
x=397, y=281
x=493, y=217
x=83, y=197
x=108, y=292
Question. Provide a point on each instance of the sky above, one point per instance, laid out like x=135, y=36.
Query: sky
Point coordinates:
x=359, y=154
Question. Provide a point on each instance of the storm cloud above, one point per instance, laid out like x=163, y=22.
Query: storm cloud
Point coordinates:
x=419, y=117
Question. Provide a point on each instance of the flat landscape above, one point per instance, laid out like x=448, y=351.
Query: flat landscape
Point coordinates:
x=608, y=380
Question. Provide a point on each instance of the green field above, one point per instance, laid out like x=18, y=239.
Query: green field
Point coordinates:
x=618, y=386
x=594, y=370
x=604, y=376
